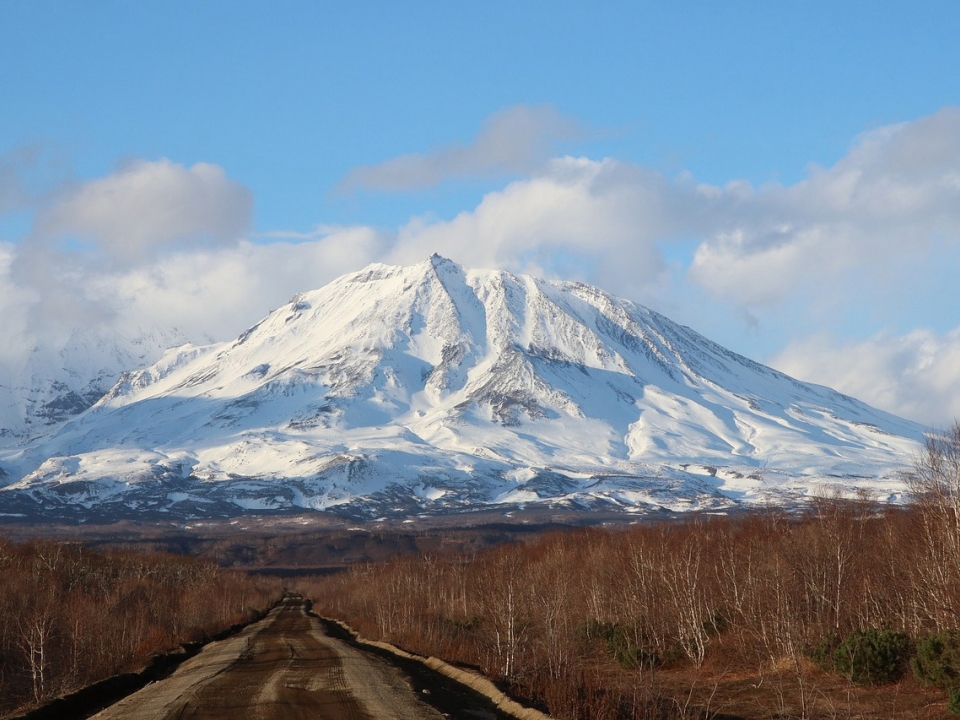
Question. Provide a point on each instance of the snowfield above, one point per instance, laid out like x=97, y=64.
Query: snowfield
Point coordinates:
x=431, y=388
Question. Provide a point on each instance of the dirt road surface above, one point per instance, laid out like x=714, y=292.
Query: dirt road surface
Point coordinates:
x=281, y=667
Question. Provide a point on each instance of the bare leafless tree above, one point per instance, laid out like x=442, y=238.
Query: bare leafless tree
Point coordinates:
x=935, y=485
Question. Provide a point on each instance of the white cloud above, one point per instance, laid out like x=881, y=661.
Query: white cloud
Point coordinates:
x=890, y=198
x=50, y=285
x=845, y=232
x=217, y=293
x=146, y=206
x=580, y=219
x=916, y=375
x=516, y=140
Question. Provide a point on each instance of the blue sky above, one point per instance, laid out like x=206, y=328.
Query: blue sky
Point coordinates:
x=694, y=156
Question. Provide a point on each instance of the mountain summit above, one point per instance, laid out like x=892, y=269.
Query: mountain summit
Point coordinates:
x=431, y=388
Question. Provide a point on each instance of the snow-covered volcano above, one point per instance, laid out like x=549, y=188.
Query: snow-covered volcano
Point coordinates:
x=398, y=390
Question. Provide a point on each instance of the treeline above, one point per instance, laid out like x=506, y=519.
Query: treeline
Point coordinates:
x=70, y=616
x=770, y=614
x=759, y=616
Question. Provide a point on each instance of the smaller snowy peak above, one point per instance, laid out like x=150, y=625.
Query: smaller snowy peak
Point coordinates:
x=61, y=379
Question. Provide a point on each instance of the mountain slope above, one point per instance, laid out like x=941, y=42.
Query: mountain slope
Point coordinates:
x=403, y=389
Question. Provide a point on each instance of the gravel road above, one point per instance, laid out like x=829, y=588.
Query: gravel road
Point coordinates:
x=281, y=667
